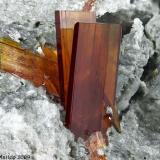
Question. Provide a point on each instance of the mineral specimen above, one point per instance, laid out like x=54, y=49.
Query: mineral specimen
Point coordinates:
x=65, y=21
x=92, y=77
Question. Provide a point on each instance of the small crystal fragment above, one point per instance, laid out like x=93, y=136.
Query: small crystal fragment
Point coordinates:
x=96, y=145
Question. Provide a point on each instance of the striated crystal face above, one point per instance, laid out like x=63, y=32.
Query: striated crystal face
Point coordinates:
x=42, y=70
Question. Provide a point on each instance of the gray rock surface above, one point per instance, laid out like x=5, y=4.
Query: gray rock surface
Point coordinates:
x=126, y=15
x=135, y=52
x=111, y=6
x=30, y=121
x=153, y=31
x=140, y=128
x=32, y=21
x=140, y=125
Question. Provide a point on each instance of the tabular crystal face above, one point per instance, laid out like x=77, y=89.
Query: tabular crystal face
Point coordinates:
x=65, y=21
x=93, y=74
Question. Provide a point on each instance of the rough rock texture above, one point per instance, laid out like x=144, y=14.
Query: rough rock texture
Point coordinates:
x=111, y=6
x=140, y=125
x=30, y=121
x=140, y=128
x=126, y=17
x=135, y=52
x=153, y=31
x=32, y=21
x=33, y=10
